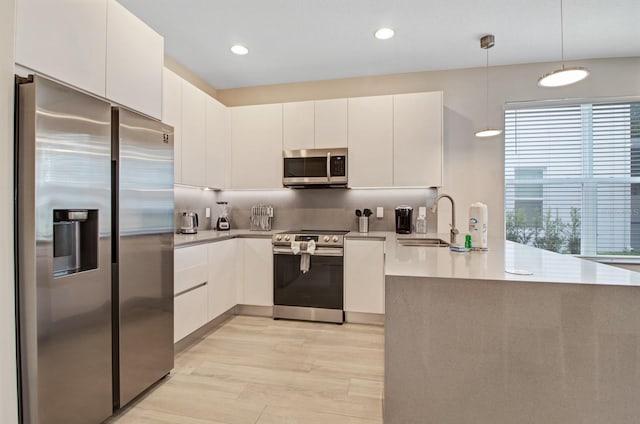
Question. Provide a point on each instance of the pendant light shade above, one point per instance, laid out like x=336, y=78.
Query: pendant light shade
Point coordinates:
x=486, y=43
x=563, y=76
x=488, y=133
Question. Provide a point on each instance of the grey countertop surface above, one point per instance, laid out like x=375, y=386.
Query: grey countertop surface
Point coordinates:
x=505, y=261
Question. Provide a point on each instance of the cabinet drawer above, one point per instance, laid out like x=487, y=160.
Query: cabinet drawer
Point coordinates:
x=190, y=267
x=189, y=312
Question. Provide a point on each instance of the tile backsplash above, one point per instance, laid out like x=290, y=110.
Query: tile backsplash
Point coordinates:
x=322, y=209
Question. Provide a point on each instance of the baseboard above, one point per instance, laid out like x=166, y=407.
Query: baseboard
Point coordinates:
x=259, y=311
x=203, y=331
x=364, y=318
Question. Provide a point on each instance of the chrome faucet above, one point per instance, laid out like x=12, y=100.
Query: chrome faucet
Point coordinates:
x=454, y=231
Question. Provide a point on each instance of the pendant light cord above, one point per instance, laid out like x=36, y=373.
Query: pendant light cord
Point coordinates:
x=487, y=86
x=561, y=35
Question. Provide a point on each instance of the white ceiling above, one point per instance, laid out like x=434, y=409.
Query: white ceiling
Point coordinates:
x=307, y=40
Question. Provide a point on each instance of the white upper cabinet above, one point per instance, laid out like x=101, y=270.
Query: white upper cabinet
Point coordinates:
x=65, y=40
x=370, y=132
x=256, y=147
x=217, y=131
x=193, y=135
x=172, y=115
x=94, y=45
x=135, y=57
x=298, y=125
x=315, y=124
x=417, y=139
x=331, y=123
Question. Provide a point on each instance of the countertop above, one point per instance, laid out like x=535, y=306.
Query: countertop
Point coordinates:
x=208, y=236
x=440, y=262
x=545, y=266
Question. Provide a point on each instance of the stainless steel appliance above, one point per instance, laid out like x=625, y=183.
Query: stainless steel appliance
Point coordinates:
x=142, y=151
x=315, y=168
x=404, y=219
x=75, y=337
x=189, y=223
x=308, y=286
x=223, y=224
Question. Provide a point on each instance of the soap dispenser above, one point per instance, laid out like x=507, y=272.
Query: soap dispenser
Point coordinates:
x=421, y=221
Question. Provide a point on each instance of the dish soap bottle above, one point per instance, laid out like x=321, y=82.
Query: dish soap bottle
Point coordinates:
x=421, y=221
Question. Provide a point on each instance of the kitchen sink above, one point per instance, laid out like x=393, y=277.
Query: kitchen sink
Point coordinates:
x=430, y=242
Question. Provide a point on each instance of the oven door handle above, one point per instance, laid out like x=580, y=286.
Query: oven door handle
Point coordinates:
x=321, y=251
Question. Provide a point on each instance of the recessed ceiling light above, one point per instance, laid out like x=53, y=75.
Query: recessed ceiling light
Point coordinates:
x=384, y=33
x=239, y=49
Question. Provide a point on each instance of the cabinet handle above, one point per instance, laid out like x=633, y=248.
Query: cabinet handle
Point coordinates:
x=190, y=289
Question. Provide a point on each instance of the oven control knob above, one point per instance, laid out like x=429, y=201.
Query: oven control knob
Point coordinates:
x=326, y=239
x=335, y=239
x=287, y=238
x=278, y=238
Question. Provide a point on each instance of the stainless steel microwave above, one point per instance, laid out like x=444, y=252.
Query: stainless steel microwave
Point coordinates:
x=315, y=168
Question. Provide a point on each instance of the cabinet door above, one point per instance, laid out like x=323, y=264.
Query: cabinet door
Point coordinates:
x=371, y=141
x=258, y=272
x=256, y=146
x=222, y=276
x=135, y=57
x=172, y=115
x=417, y=139
x=298, y=125
x=65, y=40
x=193, y=135
x=331, y=123
x=217, y=124
x=364, y=276
x=189, y=312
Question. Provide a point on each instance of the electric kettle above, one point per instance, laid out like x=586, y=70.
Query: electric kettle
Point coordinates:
x=189, y=223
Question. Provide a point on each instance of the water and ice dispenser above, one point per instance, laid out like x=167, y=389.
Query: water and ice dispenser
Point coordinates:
x=75, y=241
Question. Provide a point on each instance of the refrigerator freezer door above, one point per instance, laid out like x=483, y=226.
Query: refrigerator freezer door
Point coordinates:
x=144, y=153
x=64, y=312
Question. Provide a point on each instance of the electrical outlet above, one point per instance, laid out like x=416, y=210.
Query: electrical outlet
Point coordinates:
x=207, y=212
x=379, y=212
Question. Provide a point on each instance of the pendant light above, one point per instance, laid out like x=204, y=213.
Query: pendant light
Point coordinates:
x=563, y=76
x=486, y=43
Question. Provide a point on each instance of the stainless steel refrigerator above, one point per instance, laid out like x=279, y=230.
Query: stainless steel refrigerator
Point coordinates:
x=94, y=269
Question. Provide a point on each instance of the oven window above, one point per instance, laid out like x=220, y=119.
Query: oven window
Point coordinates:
x=321, y=287
x=305, y=167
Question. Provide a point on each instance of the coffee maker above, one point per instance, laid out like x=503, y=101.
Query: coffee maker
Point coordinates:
x=223, y=224
x=404, y=219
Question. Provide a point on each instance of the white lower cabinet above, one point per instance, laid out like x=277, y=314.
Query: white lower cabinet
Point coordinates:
x=223, y=259
x=258, y=272
x=190, y=304
x=189, y=312
x=364, y=276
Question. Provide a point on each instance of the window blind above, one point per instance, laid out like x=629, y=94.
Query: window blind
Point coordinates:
x=572, y=178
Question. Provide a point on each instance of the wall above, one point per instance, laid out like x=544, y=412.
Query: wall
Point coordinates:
x=320, y=209
x=474, y=168
x=8, y=392
x=188, y=75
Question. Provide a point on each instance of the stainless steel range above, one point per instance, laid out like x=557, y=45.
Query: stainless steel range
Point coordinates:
x=308, y=275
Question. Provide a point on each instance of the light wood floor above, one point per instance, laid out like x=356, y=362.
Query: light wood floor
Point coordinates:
x=260, y=371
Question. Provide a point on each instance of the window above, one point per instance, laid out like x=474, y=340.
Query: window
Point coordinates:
x=528, y=194
x=572, y=178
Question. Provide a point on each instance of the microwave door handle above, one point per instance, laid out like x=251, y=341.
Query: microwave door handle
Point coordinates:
x=329, y=167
